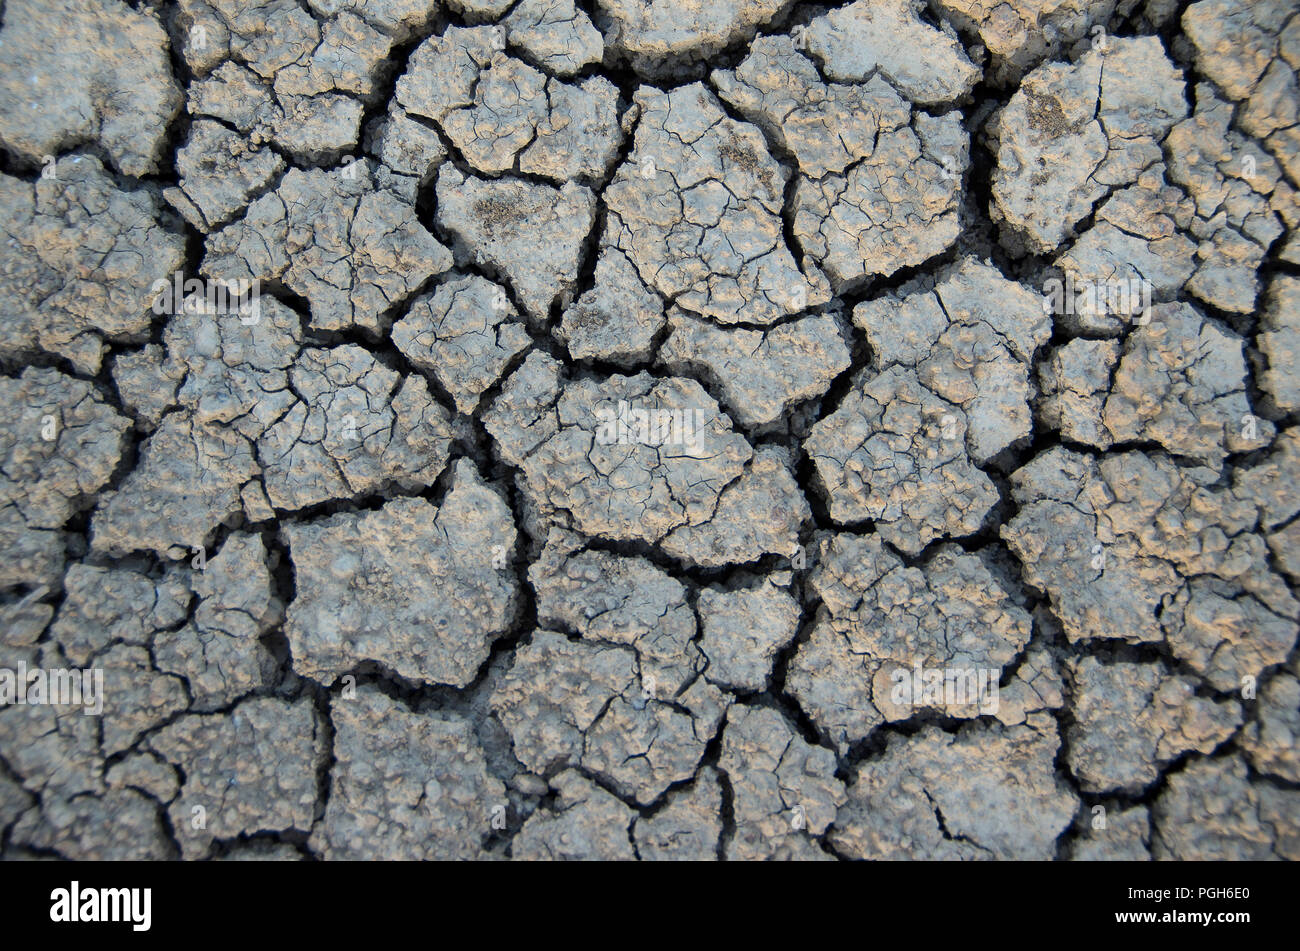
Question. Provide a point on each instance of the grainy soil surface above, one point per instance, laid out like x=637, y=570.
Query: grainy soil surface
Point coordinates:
x=649, y=429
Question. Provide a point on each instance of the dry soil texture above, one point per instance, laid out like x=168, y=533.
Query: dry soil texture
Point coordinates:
x=659, y=429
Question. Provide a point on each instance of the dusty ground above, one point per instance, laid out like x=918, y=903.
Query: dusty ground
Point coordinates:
x=637, y=404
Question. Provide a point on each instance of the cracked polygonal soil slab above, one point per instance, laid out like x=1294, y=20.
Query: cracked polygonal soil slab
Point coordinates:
x=617, y=319
x=251, y=770
x=404, y=785
x=666, y=36
x=743, y=630
x=555, y=35
x=784, y=790
x=1129, y=720
x=1134, y=547
x=102, y=77
x=688, y=827
x=880, y=620
x=873, y=194
x=1019, y=34
x=353, y=251
x=324, y=423
x=219, y=654
x=465, y=333
x=412, y=586
x=1211, y=810
x=1179, y=380
x=59, y=444
x=697, y=210
x=988, y=791
x=644, y=459
x=79, y=260
x=888, y=38
x=1248, y=49
x=531, y=234
x=586, y=823
x=190, y=479
x=1113, y=835
x=503, y=115
x=1082, y=129
x=971, y=341
x=601, y=705
x=895, y=452
x=278, y=74
x=760, y=374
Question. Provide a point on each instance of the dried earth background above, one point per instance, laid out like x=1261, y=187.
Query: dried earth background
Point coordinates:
x=363, y=573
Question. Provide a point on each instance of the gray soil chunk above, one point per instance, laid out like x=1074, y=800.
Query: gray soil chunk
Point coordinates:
x=888, y=38
x=146, y=383
x=78, y=262
x=400, y=19
x=326, y=423
x=1020, y=34
x=1125, y=835
x=279, y=75
x=784, y=791
x=1238, y=194
x=1211, y=811
x=618, y=319
x=1139, y=549
x=220, y=174
x=619, y=600
x=465, y=333
x=892, y=641
x=411, y=150
x=1181, y=382
x=895, y=452
x=357, y=427
x=219, y=654
x=531, y=234
x=759, y=514
x=659, y=39
x=601, y=705
x=106, y=606
x=986, y=792
x=1279, y=341
x=1075, y=382
x=826, y=126
x=121, y=825
x=405, y=786
x=688, y=827
x=760, y=374
x=972, y=341
x=1249, y=50
x=1270, y=740
x=895, y=207
x=555, y=35
x=697, y=210
x=59, y=444
x=503, y=115
x=1130, y=720
x=632, y=458
x=352, y=251
x=743, y=630
x=411, y=586
x=187, y=483
x=586, y=824
x=249, y=771
x=102, y=77
x=1138, y=249
x=1086, y=129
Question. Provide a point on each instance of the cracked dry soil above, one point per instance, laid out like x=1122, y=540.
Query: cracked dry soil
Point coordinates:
x=646, y=420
